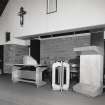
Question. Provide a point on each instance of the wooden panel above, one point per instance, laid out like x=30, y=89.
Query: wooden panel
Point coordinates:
x=97, y=39
x=3, y=4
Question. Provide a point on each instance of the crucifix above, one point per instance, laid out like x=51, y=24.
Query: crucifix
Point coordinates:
x=21, y=13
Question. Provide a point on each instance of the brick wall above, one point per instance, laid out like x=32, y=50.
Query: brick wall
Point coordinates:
x=13, y=54
x=61, y=48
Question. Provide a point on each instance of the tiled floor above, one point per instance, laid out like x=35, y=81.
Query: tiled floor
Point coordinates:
x=27, y=94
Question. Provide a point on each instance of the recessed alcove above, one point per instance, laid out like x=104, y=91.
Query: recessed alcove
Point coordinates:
x=59, y=45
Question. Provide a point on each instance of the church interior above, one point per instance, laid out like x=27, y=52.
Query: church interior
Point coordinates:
x=52, y=52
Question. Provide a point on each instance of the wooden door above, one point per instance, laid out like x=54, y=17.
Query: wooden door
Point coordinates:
x=35, y=49
x=1, y=59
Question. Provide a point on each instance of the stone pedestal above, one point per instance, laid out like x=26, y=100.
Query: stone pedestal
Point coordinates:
x=91, y=71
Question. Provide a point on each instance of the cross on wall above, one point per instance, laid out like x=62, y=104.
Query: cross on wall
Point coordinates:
x=21, y=13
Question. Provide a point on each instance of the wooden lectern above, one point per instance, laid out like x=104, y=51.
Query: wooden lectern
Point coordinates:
x=91, y=71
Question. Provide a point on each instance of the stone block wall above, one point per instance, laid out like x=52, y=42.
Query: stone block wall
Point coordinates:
x=13, y=54
x=61, y=48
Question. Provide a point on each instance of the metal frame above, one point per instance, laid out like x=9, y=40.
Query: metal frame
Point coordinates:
x=51, y=6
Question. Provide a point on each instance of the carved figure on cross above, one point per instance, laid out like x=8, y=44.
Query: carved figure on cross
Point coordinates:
x=21, y=13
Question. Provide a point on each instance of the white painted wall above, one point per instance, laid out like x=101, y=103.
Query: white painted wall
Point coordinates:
x=70, y=14
x=77, y=13
x=34, y=21
x=1, y=35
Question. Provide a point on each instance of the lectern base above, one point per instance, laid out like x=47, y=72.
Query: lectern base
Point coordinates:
x=88, y=89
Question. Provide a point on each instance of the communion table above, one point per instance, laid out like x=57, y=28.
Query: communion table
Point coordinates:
x=28, y=73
